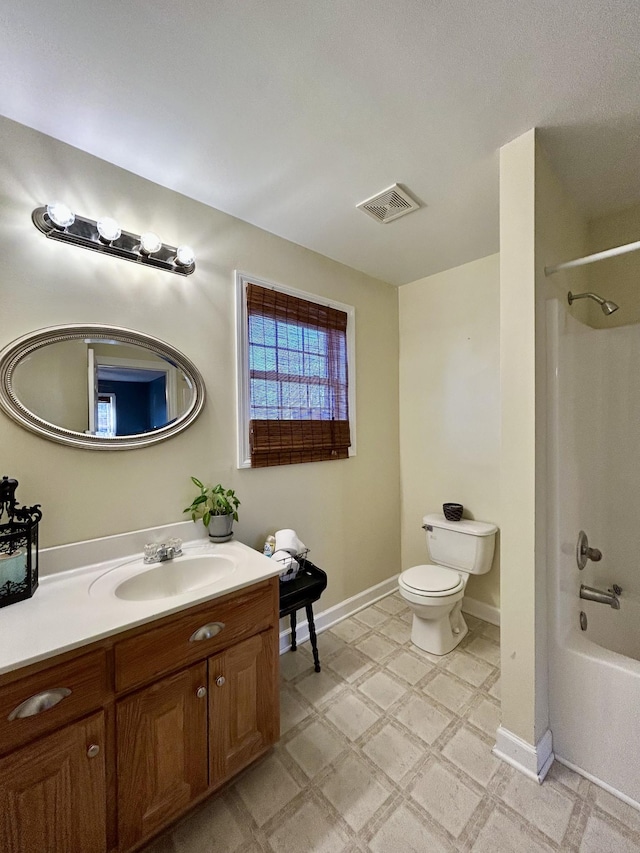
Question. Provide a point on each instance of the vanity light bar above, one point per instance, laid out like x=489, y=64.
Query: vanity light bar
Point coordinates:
x=59, y=223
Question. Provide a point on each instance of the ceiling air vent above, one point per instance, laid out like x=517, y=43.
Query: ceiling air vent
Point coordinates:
x=389, y=204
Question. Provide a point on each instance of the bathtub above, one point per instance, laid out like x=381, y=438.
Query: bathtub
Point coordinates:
x=593, y=484
x=595, y=714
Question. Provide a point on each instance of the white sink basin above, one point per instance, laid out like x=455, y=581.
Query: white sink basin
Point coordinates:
x=175, y=577
x=139, y=582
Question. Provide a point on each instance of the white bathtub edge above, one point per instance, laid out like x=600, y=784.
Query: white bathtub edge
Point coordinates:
x=609, y=788
x=533, y=761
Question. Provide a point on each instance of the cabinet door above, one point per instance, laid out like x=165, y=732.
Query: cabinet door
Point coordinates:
x=244, y=707
x=53, y=792
x=162, y=752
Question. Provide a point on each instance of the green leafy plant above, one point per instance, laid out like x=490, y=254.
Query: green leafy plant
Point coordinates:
x=214, y=500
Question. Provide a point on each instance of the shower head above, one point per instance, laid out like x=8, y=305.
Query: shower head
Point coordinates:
x=607, y=306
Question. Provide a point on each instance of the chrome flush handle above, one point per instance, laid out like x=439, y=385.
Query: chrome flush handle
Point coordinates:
x=39, y=703
x=206, y=632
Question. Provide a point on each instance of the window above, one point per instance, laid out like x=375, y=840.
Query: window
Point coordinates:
x=106, y=426
x=295, y=401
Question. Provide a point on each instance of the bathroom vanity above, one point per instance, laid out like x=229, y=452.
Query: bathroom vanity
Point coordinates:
x=142, y=724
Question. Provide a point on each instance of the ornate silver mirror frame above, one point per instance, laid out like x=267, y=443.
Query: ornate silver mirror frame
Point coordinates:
x=21, y=348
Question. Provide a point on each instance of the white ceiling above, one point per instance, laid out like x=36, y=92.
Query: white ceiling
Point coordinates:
x=287, y=113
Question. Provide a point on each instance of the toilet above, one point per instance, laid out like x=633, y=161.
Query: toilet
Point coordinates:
x=434, y=591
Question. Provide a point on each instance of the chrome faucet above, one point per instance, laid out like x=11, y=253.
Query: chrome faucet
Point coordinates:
x=160, y=552
x=610, y=597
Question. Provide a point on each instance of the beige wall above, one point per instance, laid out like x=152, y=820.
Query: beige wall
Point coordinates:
x=52, y=383
x=449, y=404
x=336, y=507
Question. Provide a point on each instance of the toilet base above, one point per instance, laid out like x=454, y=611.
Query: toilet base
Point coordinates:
x=439, y=636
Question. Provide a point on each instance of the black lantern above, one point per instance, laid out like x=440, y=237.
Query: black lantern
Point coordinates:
x=18, y=546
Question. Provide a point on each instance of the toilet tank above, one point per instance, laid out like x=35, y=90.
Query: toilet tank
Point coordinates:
x=465, y=545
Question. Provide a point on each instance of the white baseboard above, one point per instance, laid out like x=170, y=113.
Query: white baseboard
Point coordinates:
x=480, y=610
x=598, y=782
x=332, y=615
x=533, y=761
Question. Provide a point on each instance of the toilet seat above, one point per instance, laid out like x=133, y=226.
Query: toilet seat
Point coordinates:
x=432, y=581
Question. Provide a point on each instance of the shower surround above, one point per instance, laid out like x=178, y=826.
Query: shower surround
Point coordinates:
x=594, y=485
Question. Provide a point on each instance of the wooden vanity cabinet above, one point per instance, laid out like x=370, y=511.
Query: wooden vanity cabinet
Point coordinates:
x=53, y=792
x=189, y=733
x=169, y=714
x=243, y=703
x=162, y=753
x=177, y=641
x=86, y=678
x=53, y=763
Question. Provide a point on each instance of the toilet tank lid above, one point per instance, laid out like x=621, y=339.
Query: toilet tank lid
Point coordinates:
x=465, y=525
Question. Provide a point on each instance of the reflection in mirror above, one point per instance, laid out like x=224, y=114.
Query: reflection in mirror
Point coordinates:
x=112, y=387
x=132, y=390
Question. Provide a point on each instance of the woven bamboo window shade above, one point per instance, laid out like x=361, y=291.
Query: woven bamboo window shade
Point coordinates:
x=298, y=379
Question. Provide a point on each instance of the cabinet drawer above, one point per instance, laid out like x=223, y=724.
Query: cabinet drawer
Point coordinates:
x=179, y=641
x=52, y=698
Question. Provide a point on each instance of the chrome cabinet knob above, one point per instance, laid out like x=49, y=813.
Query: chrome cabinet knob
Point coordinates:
x=220, y=680
x=201, y=692
x=93, y=750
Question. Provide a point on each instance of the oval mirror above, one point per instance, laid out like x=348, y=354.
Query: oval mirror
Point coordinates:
x=99, y=387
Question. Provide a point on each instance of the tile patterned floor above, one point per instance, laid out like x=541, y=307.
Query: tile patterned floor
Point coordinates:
x=388, y=750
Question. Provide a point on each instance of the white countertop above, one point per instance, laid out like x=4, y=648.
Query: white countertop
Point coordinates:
x=64, y=614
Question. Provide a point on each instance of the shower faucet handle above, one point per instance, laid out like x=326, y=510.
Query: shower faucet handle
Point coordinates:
x=584, y=552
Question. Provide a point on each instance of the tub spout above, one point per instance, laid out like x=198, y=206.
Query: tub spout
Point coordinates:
x=591, y=594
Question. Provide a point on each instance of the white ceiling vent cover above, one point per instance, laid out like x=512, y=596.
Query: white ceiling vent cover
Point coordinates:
x=389, y=204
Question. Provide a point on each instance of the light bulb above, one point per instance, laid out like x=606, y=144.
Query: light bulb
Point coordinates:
x=60, y=214
x=185, y=256
x=150, y=243
x=108, y=229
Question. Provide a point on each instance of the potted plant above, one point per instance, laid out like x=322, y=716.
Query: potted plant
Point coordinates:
x=217, y=507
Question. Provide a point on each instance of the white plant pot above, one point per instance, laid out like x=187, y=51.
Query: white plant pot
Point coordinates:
x=221, y=528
